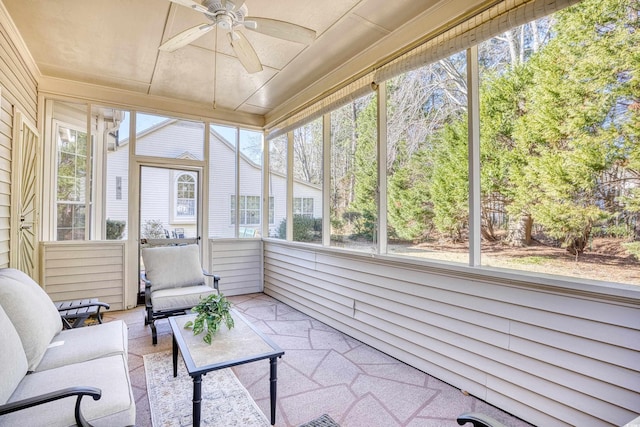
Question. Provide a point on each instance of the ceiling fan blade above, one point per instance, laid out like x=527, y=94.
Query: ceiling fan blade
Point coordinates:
x=232, y=5
x=283, y=30
x=192, y=5
x=185, y=37
x=238, y=4
x=245, y=52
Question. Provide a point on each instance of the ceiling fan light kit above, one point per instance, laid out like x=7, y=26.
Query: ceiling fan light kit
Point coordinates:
x=230, y=17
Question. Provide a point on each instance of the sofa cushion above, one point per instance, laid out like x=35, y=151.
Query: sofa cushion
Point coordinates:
x=173, y=266
x=12, y=358
x=116, y=407
x=31, y=311
x=179, y=298
x=82, y=344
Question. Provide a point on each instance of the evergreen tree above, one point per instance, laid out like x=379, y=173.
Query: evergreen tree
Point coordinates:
x=571, y=129
x=450, y=180
x=410, y=209
x=366, y=172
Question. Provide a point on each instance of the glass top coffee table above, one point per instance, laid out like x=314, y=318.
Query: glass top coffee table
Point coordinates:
x=242, y=344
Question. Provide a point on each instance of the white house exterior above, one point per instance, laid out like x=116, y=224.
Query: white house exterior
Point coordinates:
x=185, y=140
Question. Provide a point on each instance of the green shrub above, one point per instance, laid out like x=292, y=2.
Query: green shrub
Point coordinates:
x=115, y=229
x=304, y=228
x=633, y=248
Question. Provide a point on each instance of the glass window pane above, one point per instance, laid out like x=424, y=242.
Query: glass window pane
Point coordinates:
x=71, y=160
x=185, y=198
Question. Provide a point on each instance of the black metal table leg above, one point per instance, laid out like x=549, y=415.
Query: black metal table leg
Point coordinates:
x=175, y=357
x=273, y=379
x=197, y=399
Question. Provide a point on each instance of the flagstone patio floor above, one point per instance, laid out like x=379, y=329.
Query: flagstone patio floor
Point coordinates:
x=322, y=371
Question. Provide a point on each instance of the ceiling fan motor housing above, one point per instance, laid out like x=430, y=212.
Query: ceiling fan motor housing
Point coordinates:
x=230, y=15
x=224, y=17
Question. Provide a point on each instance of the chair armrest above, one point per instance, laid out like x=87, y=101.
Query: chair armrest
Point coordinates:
x=216, y=279
x=215, y=276
x=147, y=282
x=80, y=392
x=478, y=420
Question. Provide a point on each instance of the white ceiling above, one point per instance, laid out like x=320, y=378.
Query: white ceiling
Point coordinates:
x=115, y=43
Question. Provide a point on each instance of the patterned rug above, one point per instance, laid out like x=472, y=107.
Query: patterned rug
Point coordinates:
x=225, y=402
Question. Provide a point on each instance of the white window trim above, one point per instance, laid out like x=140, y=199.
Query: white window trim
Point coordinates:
x=173, y=216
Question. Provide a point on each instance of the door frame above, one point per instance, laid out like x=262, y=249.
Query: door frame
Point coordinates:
x=135, y=176
x=20, y=121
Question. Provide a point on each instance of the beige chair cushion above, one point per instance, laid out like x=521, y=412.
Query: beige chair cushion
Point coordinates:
x=179, y=298
x=31, y=311
x=173, y=266
x=12, y=358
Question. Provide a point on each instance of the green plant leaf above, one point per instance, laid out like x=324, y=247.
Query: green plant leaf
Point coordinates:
x=211, y=312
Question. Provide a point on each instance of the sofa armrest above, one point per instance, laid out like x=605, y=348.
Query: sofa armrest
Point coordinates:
x=80, y=392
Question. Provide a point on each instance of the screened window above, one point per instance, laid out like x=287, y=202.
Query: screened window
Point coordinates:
x=278, y=187
x=307, y=182
x=271, y=210
x=560, y=170
x=223, y=154
x=427, y=162
x=168, y=137
x=354, y=175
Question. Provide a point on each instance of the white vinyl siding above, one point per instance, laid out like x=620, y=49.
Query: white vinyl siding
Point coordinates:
x=552, y=356
x=239, y=264
x=18, y=91
x=90, y=269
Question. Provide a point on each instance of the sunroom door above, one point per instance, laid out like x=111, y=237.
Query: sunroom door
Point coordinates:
x=25, y=215
x=169, y=206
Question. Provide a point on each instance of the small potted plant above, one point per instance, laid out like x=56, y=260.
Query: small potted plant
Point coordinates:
x=212, y=311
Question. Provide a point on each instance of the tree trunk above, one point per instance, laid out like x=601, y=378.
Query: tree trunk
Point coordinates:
x=520, y=231
x=577, y=244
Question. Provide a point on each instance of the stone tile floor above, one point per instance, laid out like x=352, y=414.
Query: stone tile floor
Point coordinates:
x=322, y=371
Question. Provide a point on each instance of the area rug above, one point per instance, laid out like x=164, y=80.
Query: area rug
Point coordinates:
x=225, y=402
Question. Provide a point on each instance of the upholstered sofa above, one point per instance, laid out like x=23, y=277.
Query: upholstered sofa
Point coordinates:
x=55, y=377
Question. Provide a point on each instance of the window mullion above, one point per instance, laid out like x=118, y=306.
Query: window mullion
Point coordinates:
x=473, y=105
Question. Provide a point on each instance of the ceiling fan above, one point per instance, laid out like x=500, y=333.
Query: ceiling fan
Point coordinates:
x=231, y=15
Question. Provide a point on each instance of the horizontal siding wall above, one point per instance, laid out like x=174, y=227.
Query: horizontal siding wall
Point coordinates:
x=551, y=358
x=79, y=270
x=6, y=138
x=238, y=262
x=18, y=90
